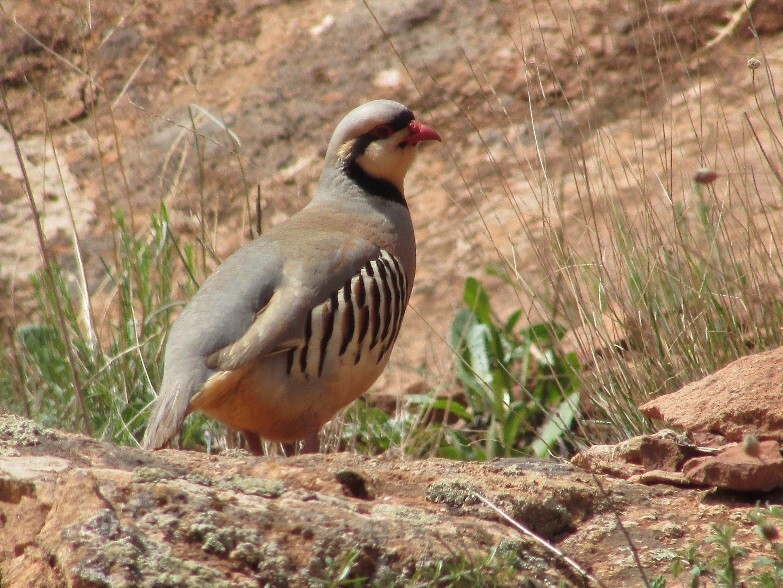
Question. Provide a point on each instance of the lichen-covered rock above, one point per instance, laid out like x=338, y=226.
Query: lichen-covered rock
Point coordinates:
x=113, y=516
x=17, y=431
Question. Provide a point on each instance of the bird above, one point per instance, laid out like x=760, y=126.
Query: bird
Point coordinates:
x=299, y=322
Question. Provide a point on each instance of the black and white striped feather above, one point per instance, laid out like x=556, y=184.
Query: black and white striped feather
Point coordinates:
x=357, y=325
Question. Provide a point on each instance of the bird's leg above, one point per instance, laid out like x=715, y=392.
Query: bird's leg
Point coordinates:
x=312, y=444
x=253, y=442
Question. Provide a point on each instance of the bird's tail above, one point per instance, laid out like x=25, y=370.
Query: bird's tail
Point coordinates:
x=170, y=409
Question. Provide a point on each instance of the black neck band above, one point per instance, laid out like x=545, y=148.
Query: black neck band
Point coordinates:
x=375, y=186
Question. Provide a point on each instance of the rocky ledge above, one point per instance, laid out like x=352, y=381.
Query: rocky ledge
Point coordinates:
x=78, y=512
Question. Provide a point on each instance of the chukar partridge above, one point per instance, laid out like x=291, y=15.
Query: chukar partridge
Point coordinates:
x=298, y=323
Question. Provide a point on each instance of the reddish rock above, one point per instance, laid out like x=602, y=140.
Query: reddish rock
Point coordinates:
x=745, y=397
x=663, y=451
x=703, y=439
x=77, y=512
x=603, y=459
x=660, y=477
x=758, y=468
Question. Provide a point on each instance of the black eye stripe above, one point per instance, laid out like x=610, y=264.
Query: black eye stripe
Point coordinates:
x=398, y=123
x=401, y=121
x=361, y=143
x=383, y=132
x=360, y=146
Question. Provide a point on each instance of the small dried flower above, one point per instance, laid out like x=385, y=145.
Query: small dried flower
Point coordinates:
x=705, y=175
x=754, y=63
x=769, y=532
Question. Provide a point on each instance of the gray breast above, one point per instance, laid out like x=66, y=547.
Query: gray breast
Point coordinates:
x=357, y=325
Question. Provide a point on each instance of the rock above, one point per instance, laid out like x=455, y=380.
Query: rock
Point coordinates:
x=745, y=397
x=758, y=468
x=663, y=451
x=660, y=477
x=657, y=459
x=119, y=516
x=123, y=517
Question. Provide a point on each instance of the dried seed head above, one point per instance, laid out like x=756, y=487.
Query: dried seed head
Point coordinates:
x=754, y=63
x=750, y=445
x=705, y=175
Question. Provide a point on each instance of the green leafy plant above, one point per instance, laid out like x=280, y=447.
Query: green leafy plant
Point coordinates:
x=717, y=560
x=520, y=392
x=720, y=569
x=499, y=567
x=768, y=568
x=368, y=430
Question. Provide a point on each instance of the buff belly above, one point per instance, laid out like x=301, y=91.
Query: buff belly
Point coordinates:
x=287, y=407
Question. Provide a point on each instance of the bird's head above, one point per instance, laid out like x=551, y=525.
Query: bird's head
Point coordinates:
x=376, y=143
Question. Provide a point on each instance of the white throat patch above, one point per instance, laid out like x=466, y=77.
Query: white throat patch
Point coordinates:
x=386, y=160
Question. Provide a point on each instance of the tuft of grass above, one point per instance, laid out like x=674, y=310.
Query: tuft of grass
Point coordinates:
x=686, y=301
x=660, y=274
x=118, y=357
x=339, y=571
x=500, y=567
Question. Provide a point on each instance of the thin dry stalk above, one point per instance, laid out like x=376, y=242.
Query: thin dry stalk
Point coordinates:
x=64, y=333
x=772, y=165
x=20, y=388
x=543, y=543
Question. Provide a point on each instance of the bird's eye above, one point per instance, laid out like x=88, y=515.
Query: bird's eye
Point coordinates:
x=382, y=132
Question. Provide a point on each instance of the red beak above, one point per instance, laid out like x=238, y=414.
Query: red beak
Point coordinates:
x=421, y=132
